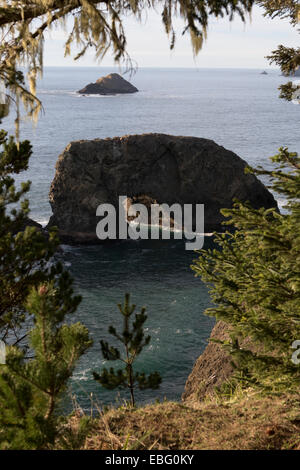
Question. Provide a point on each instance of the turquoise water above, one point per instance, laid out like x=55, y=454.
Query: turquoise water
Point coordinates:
x=158, y=276
x=240, y=110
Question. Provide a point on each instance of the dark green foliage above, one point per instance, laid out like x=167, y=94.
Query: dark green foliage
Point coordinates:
x=133, y=340
x=24, y=253
x=32, y=286
x=288, y=60
x=288, y=91
x=254, y=279
x=30, y=389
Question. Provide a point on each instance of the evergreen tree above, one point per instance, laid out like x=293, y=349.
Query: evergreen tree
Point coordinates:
x=24, y=251
x=254, y=279
x=134, y=341
x=30, y=388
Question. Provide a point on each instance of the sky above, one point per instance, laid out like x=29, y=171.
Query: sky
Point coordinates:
x=229, y=44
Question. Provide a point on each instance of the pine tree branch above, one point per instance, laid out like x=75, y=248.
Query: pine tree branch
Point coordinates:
x=13, y=14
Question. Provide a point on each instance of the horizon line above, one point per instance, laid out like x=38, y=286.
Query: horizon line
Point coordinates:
x=155, y=67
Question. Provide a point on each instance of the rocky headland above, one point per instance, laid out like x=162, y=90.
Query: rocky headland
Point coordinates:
x=213, y=367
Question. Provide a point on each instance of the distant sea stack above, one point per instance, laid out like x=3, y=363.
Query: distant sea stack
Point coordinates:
x=160, y=168
x=112, y=84
x=264, y=73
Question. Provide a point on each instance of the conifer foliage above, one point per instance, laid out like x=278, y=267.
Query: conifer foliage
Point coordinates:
x=24, y=251
x=36, y=296
x=254, y=278
x=287, y=58
x=134, y=341
x=30, y=389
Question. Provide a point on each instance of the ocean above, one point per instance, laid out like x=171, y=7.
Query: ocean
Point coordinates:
x=237, y=108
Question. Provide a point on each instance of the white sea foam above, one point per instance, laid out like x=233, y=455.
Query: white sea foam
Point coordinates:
x=69, y=248
x=83, y=375
x=171, y=229
x=86, y=95
x=55, y=92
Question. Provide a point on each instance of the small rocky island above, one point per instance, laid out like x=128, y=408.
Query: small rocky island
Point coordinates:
x=112, y=84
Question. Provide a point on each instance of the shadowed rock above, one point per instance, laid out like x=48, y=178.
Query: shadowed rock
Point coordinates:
x=112, y=84
x=29, y=223
x=167, y=169
x=211, y=369
x=214, y=367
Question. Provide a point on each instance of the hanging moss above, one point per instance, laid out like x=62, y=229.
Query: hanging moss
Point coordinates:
x=94, y=24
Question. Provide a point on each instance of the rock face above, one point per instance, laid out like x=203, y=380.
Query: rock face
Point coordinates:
x=167, y=169
x=213, y=367
x=30, y=223
x=112, y=84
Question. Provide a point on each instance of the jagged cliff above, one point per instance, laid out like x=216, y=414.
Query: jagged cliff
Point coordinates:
x=213, y=367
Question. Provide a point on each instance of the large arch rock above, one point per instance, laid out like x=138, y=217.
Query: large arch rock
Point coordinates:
x=168, y=169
